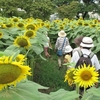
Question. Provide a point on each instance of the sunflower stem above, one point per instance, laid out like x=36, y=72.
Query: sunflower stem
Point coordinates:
x=77, y=90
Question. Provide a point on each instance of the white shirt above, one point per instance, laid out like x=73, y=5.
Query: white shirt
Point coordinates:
x=47, y=43
x=94, y=59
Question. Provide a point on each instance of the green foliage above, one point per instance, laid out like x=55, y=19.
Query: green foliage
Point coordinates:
x=41, y=9
x=37, y=9
x=26, y=90
x=68, y=11
x=64, y=95
x=44, y=8
x=47, y=74
x=61, y=2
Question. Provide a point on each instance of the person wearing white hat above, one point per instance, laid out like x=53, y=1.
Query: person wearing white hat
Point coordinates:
x=68, y=54
x=59, y=42
x=86, y=45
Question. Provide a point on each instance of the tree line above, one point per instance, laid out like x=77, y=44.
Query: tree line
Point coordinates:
x=44, y=8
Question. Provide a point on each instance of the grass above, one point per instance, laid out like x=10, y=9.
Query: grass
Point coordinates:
x=47, y=74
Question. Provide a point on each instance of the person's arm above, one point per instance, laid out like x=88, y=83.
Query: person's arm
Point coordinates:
x=96, y=63
x=67, y=41
x=50, y=45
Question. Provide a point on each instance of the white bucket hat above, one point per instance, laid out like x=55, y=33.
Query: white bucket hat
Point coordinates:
x=62, y=33
x=68, y=49
x=87, y=42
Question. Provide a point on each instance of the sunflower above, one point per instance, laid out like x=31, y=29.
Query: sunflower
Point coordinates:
x=12, y=72
x=86, y=76
x=47, y=26
x=1, y=34
x=20, y=25
x=92, y=25
x=20, y=58
x=22, y=41
x=85, y=24
x=61, y=27
x=9, y=25
x=15, y=19
x=31, y=27
x=3, y=26
x=69, y=76
x=30, y=33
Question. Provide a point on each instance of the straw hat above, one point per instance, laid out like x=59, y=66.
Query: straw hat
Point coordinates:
x=68, y=49
x=78, y=40
x=87, y=42
x=62, y=33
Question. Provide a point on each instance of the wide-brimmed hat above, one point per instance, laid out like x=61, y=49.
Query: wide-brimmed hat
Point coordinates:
x=87, y=42
x=78, y=40
x=68, y=49
x=62, y=33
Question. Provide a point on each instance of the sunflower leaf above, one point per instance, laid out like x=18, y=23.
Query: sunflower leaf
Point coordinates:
x=62, y=94
x=26, y=90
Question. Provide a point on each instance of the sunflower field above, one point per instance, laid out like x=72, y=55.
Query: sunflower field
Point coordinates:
x=21, y=44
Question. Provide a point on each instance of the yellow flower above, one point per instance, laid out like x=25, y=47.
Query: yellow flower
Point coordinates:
x=12, y=72
x=92, y=25
x=22, y=41
x=31, y=27
x=20, y=25
x=15, y=19
x=20, y=58
x=30, y=33
x=9, y=25
x=69, y=76
x=3, y=26
x=86, y=76
x=61, y=27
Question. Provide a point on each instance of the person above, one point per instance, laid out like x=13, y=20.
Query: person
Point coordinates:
x=68, y=54
x=47, y=45
x=58, y=45
x=86, y=45
x=77, y=41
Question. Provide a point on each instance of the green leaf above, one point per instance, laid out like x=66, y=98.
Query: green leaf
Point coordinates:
x=42, y=57
x=11, y=50
x=38, y=49
x=94, y=91
x=1, y=53
x=62, y=94
x=26, y=90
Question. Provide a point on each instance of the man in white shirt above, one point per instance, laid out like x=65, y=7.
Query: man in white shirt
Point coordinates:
x=86, y=44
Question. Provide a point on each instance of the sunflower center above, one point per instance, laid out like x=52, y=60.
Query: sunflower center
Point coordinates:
x=30, y=27
x=29, y=33
x=20, y=25
x=22, y=42
x=9, y=73
x=86, y=75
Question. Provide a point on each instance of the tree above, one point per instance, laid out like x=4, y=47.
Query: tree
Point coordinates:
x=31, y=8
x=68, y=11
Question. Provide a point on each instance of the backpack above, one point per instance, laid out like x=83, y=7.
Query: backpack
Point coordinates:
x=82, y=59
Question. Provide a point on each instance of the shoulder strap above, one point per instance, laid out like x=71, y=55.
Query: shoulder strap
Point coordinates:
x=91, y=54
x=63, y=42
x=80, y=53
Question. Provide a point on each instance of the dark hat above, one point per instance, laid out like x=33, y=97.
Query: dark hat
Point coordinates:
x=78, y=40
